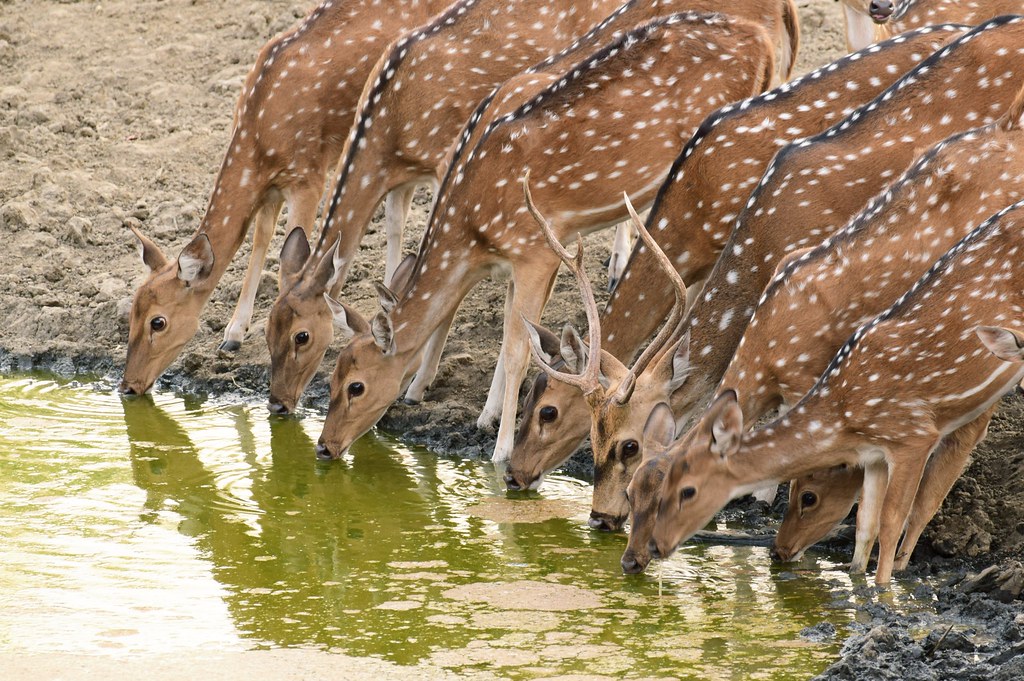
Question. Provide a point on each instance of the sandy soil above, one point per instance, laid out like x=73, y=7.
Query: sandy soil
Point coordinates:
x=119, y=111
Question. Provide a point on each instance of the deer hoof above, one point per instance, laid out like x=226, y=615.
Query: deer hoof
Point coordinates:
x=232, y=346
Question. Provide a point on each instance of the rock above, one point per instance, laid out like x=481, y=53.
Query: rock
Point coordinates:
x=1003, y=582
x=18, y=215
x=111, y=288
x=819, y=633
x=77, y=230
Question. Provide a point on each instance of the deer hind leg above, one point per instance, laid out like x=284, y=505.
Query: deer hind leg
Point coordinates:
x=944, y=467
x=396, y=211
x=528, y=301
x=263, y=223
x=429, y=361
x=622, y=246
x=492, y=407
x=876, y=476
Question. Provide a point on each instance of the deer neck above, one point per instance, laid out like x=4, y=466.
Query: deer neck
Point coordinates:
x=810, y=437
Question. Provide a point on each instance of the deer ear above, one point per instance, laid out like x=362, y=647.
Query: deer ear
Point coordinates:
x=152, y=256
x=572, y=349
x=329, y=270
x=725, y=420
x=195, y=262
x=660, y=429
x=543, y=343
x=403, y=274
x=1006, y=344
x=383, y=333
x=679, y=356
x=294, y=254
x=348, y=321
x=388, y=300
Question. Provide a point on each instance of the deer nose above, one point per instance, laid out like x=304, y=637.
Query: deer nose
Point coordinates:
x=880, y=10
x=276, y=407
x=126, y=389
x=630, y=565
x=511, y=483
x=322, y=452
x=604, y=522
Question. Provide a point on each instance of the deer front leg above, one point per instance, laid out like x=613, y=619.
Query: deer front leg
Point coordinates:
x=528, y=301
x=491, y=411
x=945, y=465
x=429, y=361
x=396, y=211
x=622, y=246
x=876, y=476
x=904, y=479
x=263, y=231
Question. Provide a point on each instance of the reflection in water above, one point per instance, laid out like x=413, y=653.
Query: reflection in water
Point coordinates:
x=226, y=511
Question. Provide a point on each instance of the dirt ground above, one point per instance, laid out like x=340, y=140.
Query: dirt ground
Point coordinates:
x=120, y=111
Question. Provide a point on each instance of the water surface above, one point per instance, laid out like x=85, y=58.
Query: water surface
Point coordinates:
x=165, y=524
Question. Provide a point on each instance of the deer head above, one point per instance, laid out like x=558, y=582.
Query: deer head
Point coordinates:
x=165, y=311
x=643, y=491
x=608, y=388
x=700, y=478
x=817, y=502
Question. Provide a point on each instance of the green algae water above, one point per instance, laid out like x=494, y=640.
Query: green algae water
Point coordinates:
x=165, y=525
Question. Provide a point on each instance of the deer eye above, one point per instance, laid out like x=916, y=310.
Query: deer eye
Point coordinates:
x=630, y=448
x=356, y=389
x=548, y=414
x=687, y=493
x=808, y=499
x=302, y=337
x=158, y=323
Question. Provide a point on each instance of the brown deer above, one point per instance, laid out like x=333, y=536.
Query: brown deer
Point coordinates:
x=292, y=117
x=580, y=135
x=691, y=220
x=788, y=211
x=419, y=95
x=822, y=295
x=902, y=382
x=869, y=21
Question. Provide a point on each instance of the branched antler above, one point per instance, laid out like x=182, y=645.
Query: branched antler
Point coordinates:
x=589, y=379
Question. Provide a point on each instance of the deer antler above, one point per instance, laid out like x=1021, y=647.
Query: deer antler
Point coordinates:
x=589, y=379
x=668, y=330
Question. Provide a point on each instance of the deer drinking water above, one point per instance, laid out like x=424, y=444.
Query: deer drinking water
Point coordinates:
x=900, y=384
x=417, y=98
x=691, y=220
x=615, y=117
x=290, y=122
x=825, y=293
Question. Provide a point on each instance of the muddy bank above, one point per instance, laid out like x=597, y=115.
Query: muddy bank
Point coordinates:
x=118, y=113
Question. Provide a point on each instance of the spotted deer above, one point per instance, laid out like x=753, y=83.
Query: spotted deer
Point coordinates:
x=291, y=120
x=869, y=21
x=691, y=220
x=897, y=387
x=416, y=100
x=788, y=211
x=822, y=295
x=612, y=119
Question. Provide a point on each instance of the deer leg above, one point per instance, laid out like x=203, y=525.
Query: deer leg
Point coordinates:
x=622, y=246
x=396, y=210
x=528, y=302
x=876, y=477
x=491, y=411
x=945, y=465
x=263, y=231
x=904, y=480
x=429, y=361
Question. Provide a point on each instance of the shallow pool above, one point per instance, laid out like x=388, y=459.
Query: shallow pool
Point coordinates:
x=165, y=524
